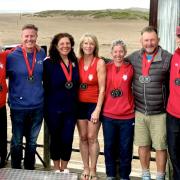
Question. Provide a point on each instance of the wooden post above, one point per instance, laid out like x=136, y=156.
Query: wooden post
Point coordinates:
x=153, y=13
x=46, y=153
x=46, y=147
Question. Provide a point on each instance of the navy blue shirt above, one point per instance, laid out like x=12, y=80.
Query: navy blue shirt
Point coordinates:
x=57, y=97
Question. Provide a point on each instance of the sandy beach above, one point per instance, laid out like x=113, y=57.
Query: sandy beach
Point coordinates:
x=105, y=29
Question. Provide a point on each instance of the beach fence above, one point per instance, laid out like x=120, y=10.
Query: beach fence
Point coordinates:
x=44, y=158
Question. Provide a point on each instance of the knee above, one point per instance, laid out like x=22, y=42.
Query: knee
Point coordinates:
x=16, y=142
x=84, y=138
x=16, y=147
x=31, y=141
x=92, y=139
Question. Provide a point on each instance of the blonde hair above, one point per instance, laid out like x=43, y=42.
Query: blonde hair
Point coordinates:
x=90, y=37
x=30, y=26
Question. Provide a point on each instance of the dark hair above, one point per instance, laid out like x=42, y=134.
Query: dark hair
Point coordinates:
x=149, y=29
x=30, y=26
x=54, y=53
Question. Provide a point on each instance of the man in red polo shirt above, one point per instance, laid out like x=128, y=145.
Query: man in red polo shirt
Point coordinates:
x=3, y=116
x=173, y=109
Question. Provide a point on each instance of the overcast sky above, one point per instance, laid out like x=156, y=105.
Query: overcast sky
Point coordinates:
x=39, y=5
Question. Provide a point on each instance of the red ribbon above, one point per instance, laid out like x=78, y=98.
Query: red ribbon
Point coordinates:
x=177, y=63
x=85, y=74
x=146, y=64
x=30, y=70
x=117, y=76
x=66, y=73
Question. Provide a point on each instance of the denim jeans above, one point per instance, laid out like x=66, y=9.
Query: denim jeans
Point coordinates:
x=173, y=141
x=3, y=136
x=26, y=122
x=118, y=144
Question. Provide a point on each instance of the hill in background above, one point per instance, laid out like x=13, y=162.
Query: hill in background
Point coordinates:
x=130, y=14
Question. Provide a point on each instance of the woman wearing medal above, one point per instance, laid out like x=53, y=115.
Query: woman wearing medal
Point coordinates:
x=118, y=114
x=91, y=95
x=173, y=109
x=61, y=83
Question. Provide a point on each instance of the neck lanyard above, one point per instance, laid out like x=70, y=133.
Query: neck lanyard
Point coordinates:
x=146, y=64
x=1, y=77
x=67, y=74
x=117, y=76
x=177, y=63
x=30, y=70
x=85, y=74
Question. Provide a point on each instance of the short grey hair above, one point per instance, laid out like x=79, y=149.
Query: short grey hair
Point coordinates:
x=119, y=42
x=149, y=29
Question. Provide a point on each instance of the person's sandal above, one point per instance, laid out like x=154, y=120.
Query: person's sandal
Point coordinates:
x=93, y=177
x=84, y=176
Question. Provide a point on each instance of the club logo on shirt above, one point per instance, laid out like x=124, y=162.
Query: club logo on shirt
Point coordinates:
x=40, y=62
x=1, y=66
x=176, y=64
x=90, y=77
x=125, y=77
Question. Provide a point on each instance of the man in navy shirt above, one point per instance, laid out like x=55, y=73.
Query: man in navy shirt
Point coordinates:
x=24, y=70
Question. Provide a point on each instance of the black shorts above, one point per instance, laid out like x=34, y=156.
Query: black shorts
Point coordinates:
x=85, y=110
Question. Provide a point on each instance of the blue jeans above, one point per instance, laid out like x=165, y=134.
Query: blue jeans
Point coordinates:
x=118, y=145
x=26, y=123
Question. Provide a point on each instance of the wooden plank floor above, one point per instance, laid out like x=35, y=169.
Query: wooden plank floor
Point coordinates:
x=101, y=176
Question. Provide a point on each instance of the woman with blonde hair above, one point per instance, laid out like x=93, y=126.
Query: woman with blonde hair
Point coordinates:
x=92, y=72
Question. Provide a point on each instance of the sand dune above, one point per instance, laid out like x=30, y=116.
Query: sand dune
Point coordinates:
x=105, y=29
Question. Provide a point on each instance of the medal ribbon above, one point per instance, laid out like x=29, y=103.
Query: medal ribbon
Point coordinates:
x=146, y=64
x=3, y=56
x=67, y=74
x=177, y=57
x=30, y=70
x=117, y=76
x=85, y=74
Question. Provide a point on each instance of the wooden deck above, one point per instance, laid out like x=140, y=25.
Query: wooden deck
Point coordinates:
x=44, y=173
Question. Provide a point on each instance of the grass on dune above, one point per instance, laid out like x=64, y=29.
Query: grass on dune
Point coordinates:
x=114, y=14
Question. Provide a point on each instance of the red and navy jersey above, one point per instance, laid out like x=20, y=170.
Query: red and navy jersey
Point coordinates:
x=173, y=106
x=119, y=107
x=3, y=85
